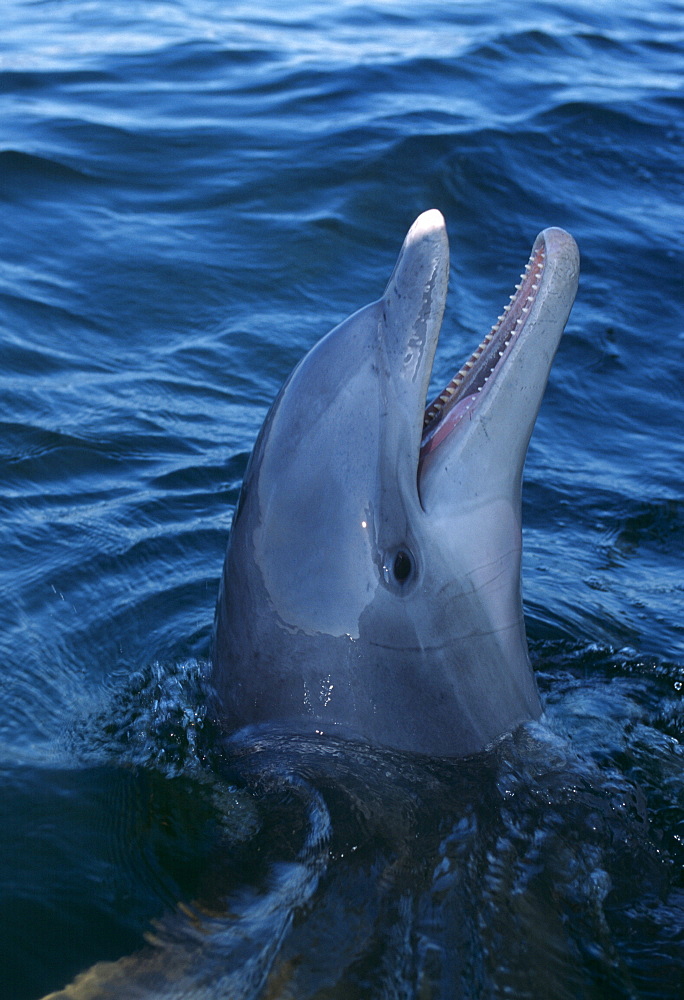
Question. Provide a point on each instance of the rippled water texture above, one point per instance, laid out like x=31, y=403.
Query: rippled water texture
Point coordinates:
x=192, y=193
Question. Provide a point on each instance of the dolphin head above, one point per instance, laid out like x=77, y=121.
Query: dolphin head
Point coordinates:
x=372, y=580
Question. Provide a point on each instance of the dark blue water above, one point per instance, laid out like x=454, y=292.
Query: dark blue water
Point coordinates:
x=192, y=193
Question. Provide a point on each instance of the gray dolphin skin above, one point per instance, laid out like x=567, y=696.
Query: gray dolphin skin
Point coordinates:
x=372, y=581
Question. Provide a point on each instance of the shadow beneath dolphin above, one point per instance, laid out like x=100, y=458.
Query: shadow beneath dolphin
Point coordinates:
x=358, y=872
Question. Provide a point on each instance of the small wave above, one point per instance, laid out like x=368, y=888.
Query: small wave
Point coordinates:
x=33, y=174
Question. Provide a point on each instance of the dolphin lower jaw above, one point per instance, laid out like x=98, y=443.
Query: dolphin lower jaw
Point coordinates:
x=477, y=430
x=460, y=396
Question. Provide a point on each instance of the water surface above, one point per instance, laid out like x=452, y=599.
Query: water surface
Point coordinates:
x=192, y=193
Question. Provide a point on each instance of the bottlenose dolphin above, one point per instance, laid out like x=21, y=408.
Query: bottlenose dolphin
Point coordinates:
x=372, y=580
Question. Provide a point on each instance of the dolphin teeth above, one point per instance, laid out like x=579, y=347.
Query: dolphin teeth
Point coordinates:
x=493, y=346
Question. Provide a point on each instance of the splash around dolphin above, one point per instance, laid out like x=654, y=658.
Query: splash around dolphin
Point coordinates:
x=372, y=585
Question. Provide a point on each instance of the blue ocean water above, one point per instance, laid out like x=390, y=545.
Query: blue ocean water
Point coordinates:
x=192, y=193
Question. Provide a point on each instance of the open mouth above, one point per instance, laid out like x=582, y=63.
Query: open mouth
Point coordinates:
x=460, y=397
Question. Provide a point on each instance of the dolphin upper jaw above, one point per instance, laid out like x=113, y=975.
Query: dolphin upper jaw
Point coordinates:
x=412, y=308
x=372, y=580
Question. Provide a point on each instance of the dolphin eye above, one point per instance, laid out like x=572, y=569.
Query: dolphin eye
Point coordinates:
x=400, y=570
x=402, y=566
